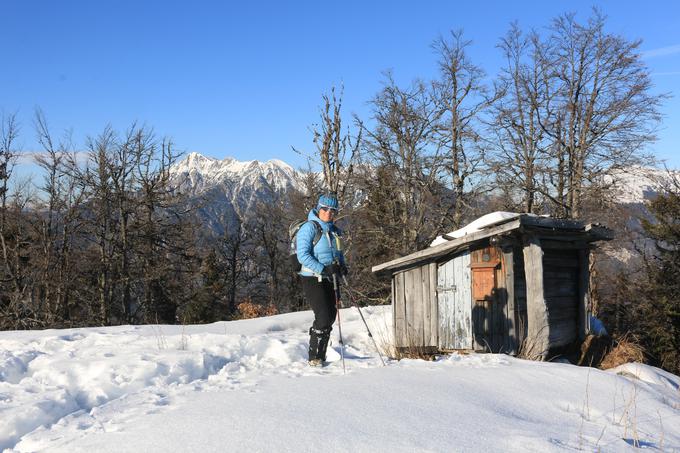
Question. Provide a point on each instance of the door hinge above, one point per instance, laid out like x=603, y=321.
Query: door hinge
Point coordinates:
x=446, y=288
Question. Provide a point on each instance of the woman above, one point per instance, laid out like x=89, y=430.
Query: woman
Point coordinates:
x=320, y=260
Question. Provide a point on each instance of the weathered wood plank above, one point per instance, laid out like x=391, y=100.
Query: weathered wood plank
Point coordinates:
x=559, y=274
x=583, y=326
x=425, y=301
x=463, y=302
x=455, y=278
x=445, y=305
x=478, y=316
x=564, y=243
x=394, y=311
x=434, y=306
x=486, y=325
x=561, y=315
x=561, y=288
x=538, y=328
x=562, y=332
x=500, y=304
x=418, y=308
x=509, y=285
x=561, y=302
x=399, y=310
x=411, y=307
x=567, y=261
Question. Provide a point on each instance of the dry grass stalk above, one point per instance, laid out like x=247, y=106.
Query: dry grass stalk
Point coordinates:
x=249, y=310
x=532, y=348
x=413, y=350
x=626, y=350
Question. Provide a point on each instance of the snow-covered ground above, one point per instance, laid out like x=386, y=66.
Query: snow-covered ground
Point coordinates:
x=245, y=386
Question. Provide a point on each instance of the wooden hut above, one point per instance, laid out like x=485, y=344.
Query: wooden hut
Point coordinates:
x=517, y=282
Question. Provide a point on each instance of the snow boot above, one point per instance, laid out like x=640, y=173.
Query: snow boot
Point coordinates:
x=318, y=343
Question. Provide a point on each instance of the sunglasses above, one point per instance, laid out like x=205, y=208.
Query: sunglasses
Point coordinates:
x=332, y=211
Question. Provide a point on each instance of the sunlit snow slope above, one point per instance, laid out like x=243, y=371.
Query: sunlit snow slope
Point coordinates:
x=246, y=386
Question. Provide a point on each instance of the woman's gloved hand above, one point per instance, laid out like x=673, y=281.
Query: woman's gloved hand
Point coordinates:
x=332, y=269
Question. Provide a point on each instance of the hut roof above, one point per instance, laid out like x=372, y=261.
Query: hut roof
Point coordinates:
x=498, y=225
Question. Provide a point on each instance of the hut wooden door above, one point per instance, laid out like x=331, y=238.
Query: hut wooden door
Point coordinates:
x=488, y=309
x=454, y=301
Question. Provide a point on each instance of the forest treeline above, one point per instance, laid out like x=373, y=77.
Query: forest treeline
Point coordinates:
x=107, y=237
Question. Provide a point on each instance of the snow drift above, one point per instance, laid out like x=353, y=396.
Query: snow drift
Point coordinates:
x=245, y=386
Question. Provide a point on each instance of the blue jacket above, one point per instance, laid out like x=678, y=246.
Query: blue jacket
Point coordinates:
x=314, y=258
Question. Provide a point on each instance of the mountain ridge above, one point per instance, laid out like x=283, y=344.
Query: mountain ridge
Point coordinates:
x=226, y=190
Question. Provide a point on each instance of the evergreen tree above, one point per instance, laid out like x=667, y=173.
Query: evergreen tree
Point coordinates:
x=657, y=316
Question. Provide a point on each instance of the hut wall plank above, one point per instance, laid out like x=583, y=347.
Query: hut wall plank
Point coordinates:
x=562, y=331
x=394, y=310
x=399, y=310
x=445, y=305
x=478, y=316
x=434, y=311
x=561, y=281
x=509, y=286
x=556, y=288
x=500, y=304
x=520, y=295
x=456, y=281
x=411, y=307
x=463, y=302
x=538, y=328
x=425, y=302
x=418, y=308
x=583, y=294
x=565, y=260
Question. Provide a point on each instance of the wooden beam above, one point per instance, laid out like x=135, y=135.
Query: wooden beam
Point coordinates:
x=509, y=276
x=538, y=329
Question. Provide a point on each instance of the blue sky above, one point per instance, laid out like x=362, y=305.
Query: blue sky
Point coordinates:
x=245, y=79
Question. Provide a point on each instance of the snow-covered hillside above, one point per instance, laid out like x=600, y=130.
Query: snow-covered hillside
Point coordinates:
x=638, y=184
x=245, y=386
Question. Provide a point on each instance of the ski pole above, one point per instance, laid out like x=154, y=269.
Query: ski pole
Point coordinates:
x=354, y=302
x=337, y=305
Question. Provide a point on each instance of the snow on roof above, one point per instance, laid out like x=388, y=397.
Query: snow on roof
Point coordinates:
x=477, y=225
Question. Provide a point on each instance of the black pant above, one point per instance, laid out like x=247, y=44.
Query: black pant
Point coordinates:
x=321, y=297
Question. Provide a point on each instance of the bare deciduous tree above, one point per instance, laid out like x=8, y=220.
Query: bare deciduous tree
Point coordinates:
x=520, y=141
x=401, y=148
x=336, y=150
x=58, y=224
x=462, y=97
x=604, y=112
x=578, y=106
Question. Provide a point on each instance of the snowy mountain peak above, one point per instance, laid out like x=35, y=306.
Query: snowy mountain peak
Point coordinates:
x=211, y=168
x=638, y=184
x=232, y=187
